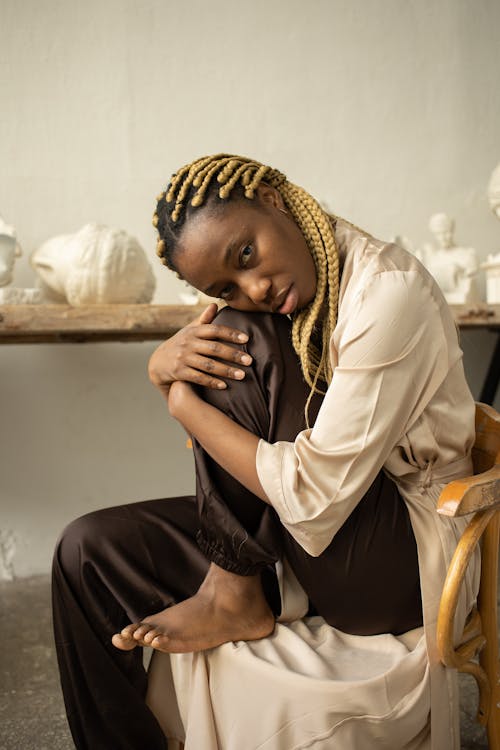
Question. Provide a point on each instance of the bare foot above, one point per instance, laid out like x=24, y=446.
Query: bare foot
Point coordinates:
x=227, y=607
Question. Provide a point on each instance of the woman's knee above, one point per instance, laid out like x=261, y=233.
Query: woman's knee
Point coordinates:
x=253, y=400
x=76, y=542
x=268, y=334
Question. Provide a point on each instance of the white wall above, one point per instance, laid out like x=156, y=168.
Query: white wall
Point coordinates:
x=386, y=110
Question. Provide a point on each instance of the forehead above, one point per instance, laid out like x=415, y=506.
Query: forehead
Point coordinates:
x=210, y=234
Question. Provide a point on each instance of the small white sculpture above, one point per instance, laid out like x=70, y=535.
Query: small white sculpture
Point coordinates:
x=494, y=191
x=454, y=268
x=492, y=268
x=9, y=251
x=492, y=265
x=192, y=296
x=96, y=265
x=189, y=295
x=13, y=295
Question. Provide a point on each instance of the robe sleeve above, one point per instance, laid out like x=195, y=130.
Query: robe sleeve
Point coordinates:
x=392, y=358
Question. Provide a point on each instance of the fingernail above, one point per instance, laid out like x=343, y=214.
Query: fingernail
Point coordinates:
x=242, y=337
x=246, y=359
x=221, y=386
x=239, y=374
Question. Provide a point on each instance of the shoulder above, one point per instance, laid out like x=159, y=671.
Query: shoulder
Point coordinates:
x=371, y=265
x=388, y=300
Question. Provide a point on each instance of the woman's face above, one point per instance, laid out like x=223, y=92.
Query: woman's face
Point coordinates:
x=250, y=254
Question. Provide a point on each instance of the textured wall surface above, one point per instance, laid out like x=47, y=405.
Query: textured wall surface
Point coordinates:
x=387, y=111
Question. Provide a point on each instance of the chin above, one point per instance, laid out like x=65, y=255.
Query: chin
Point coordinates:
x=309, y=300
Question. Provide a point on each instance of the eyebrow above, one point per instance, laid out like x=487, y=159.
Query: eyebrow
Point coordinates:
x=225, y=262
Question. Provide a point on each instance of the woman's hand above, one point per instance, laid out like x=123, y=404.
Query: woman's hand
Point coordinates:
x=197, y=354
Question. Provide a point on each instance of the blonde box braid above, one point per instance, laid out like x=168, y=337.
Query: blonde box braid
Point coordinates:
x=193, y=186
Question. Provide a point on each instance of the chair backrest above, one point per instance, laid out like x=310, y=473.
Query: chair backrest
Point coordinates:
x=481, y=635
x=486, y=450
x=481, y=491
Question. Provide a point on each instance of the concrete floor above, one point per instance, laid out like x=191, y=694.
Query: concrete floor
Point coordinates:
x=31, y=708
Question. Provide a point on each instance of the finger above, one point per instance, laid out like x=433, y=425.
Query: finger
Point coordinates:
x=224, y=333
x=189, y=374
x=210, y=357
x=206, y=316
x=215, y=368
x=208, y=313
x=197, y=377
x=223, y=352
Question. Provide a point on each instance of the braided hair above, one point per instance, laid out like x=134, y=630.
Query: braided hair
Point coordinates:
x=212, y=181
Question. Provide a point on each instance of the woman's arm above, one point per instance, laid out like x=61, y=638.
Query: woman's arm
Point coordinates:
x=229, y=444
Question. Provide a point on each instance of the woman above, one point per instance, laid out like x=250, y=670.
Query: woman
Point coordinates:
x=342, y=504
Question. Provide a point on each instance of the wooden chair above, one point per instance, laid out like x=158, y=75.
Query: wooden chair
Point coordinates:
x=477, y=653
x=479, y=494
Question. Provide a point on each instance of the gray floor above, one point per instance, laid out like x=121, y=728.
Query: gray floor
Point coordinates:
x=31, y=708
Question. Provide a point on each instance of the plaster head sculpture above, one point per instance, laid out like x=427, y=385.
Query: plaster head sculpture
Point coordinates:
x=9, y=251
x=455, y=268
x=492, y=265
x=442, y=227
x=96, y=265
x=492, y=268
x=494, y=191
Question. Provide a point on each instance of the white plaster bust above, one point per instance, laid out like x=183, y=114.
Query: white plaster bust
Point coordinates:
x=494, y=191
x=492, y=265
x=96, y=265
x=455, y=268
x=9, y=251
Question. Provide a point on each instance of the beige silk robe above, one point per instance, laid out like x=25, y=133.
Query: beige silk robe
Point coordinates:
x=398, y=400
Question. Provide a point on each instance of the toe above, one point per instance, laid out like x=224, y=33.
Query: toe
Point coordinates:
x=160, y=642
x=151, y=635
x=142, y=629
x=124, y=644
x=129, y=630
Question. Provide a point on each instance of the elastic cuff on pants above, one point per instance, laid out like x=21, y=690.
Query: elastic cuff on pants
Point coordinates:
x=217, y=554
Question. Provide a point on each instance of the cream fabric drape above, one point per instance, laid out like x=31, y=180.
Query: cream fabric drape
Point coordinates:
x=306, y=686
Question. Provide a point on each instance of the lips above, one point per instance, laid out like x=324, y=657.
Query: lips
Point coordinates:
x=288, y=301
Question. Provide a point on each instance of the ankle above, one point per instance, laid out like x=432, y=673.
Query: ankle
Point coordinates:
x=221, y=581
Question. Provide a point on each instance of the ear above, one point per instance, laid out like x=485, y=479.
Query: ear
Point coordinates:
x=268, y=195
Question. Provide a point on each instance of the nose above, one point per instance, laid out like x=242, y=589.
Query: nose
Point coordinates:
x=258, y=289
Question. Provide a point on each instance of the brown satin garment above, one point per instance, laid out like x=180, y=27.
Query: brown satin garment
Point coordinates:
x=367, y=579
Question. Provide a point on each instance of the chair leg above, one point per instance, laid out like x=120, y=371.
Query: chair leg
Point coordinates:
x=493, y=729
x=488, y=656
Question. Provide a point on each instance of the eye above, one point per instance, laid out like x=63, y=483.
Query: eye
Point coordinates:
x=245, y=255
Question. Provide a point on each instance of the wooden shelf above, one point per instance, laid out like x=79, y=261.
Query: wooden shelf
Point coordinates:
x=477, y=316
x=50, y=324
